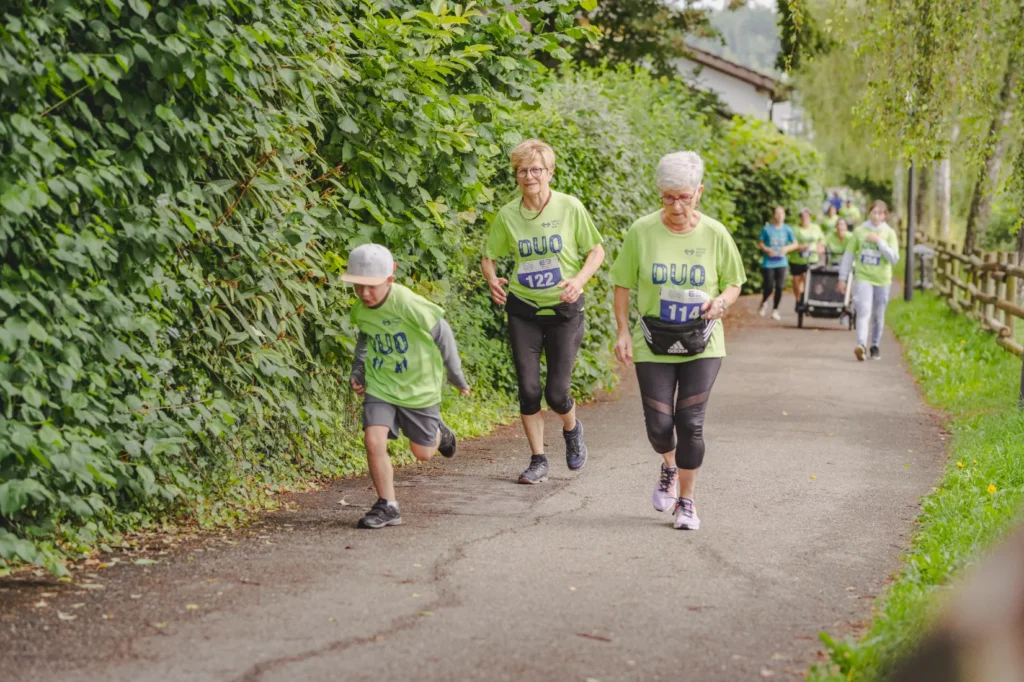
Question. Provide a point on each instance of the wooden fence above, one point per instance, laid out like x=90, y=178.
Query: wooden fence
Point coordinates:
x=982, y=286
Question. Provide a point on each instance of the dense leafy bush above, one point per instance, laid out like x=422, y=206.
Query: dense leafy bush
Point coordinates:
x=766, y=169
x=181, y=184
x=174, y=174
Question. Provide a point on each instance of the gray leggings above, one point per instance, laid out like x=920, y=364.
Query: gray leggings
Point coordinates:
x=687, y=386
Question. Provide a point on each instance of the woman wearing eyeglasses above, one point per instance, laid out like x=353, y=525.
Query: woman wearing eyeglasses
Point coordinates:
x=687, y=271
x=556, y=250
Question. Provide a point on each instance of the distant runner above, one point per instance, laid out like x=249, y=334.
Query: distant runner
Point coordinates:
x=409, y=346
x=777, y=239
x=811, y=244
x=874, y=248
x=687, y=271
x=548, y=234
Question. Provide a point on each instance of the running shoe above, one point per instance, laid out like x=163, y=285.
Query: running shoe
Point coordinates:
x=875, y=353
x=667, y=488
x=575, y=448
x=537, y=472
x=776, y=316
x=860, y=351
x=686, y=515
x=382, y=513
x=448, y=443
x=764, y=309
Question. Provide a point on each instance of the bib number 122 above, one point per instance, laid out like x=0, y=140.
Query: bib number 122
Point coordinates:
x=539, y=274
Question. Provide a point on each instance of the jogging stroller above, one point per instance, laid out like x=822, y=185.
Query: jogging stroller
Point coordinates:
x=821, y=298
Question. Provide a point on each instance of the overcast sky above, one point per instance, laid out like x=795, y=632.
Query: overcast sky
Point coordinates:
x=719, y=4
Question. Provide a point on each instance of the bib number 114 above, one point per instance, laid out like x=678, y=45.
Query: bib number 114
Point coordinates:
x=679, y=306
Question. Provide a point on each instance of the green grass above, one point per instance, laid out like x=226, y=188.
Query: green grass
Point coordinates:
x=963, y=372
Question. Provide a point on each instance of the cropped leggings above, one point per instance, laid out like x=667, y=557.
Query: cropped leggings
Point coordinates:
x=675, y=397
x=773, y=280
x=560, y=341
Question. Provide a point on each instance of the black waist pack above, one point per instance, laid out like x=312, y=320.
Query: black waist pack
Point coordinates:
x=517, y=307
x=670, y=338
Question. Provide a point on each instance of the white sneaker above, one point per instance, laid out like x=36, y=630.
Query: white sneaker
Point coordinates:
x=776, y=316
x=666, y=490
x=764, y=309
x=686, y=515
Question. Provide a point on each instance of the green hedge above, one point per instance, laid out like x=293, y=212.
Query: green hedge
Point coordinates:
x=173, y=176
x=181, y=185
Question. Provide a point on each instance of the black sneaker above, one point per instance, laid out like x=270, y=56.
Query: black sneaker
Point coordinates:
x=381, y=514
x=448, y=443
x=875, y=353
x=537, y=472
x=575, y=448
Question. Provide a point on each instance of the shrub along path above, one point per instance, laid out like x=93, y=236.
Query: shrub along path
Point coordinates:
x=815, y=466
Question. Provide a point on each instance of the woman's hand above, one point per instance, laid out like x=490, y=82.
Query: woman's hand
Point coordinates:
x=624, y=348
x=357, y=387
x=841, y=286
x=713, y=309
x=498, y=294
x=465, y=391
x=571, y=290
x=873, y=237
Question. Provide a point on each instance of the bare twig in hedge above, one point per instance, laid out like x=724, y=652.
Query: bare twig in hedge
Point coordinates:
x=244, y=188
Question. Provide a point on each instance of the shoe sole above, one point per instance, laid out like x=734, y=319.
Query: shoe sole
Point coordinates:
x=859, y=352
x=526, y=481
x=691, y=527
x=392, y=522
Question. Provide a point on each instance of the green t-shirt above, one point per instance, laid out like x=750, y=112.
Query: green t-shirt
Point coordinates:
x=851, y=213
x=807, y=235
x=836, y=246
x=869, y=264
x=658, y=262
x=828, y=224
x=548, y=249
x=403, y=364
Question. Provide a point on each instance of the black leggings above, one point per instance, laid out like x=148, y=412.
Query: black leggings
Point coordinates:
x=774, y=278
x=560, y=340
x=687, y=385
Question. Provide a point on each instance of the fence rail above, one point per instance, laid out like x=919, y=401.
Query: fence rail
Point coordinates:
x=982, y=286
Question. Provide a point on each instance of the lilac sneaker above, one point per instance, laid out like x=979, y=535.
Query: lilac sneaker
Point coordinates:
x=667, y=488
x=686, y=515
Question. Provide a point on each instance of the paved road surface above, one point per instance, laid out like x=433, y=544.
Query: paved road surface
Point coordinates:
x=815, y=464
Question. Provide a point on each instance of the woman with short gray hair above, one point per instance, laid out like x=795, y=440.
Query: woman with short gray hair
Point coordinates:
x=687, y=271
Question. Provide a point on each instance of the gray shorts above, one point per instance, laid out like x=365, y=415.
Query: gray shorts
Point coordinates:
x=420, y=425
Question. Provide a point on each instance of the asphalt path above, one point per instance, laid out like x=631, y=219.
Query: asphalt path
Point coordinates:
x=815, y=464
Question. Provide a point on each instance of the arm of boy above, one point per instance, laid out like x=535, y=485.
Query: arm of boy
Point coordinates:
x=445, y=341
x=358, y=377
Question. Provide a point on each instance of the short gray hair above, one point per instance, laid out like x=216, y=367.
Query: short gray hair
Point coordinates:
x=679, y=170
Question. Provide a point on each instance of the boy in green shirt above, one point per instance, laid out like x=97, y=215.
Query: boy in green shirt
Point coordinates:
x=409, y=346
x=874, y=249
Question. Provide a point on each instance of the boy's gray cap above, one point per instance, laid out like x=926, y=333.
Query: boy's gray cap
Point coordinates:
x=369, y=264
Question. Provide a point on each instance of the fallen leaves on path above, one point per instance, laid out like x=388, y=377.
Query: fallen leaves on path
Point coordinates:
x=66, y=616
x=597, y=638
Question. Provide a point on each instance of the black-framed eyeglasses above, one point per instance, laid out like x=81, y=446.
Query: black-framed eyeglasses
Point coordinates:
x=535, y=172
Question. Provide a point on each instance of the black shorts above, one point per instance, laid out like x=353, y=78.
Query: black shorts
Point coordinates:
x=797, y=269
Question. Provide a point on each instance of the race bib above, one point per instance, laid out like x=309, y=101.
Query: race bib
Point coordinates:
x=539, y=274
x=682, y=305
x=870, y=257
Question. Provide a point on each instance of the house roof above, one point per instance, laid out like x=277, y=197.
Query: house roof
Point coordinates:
x=711, y=61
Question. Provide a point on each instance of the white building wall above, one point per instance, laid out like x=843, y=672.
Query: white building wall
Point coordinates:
x=741, y=97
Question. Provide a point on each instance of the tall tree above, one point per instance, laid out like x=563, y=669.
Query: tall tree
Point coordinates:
x=997, y=142
x=649, y=33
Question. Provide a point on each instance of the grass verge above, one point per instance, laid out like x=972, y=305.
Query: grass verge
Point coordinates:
x=963, y=372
